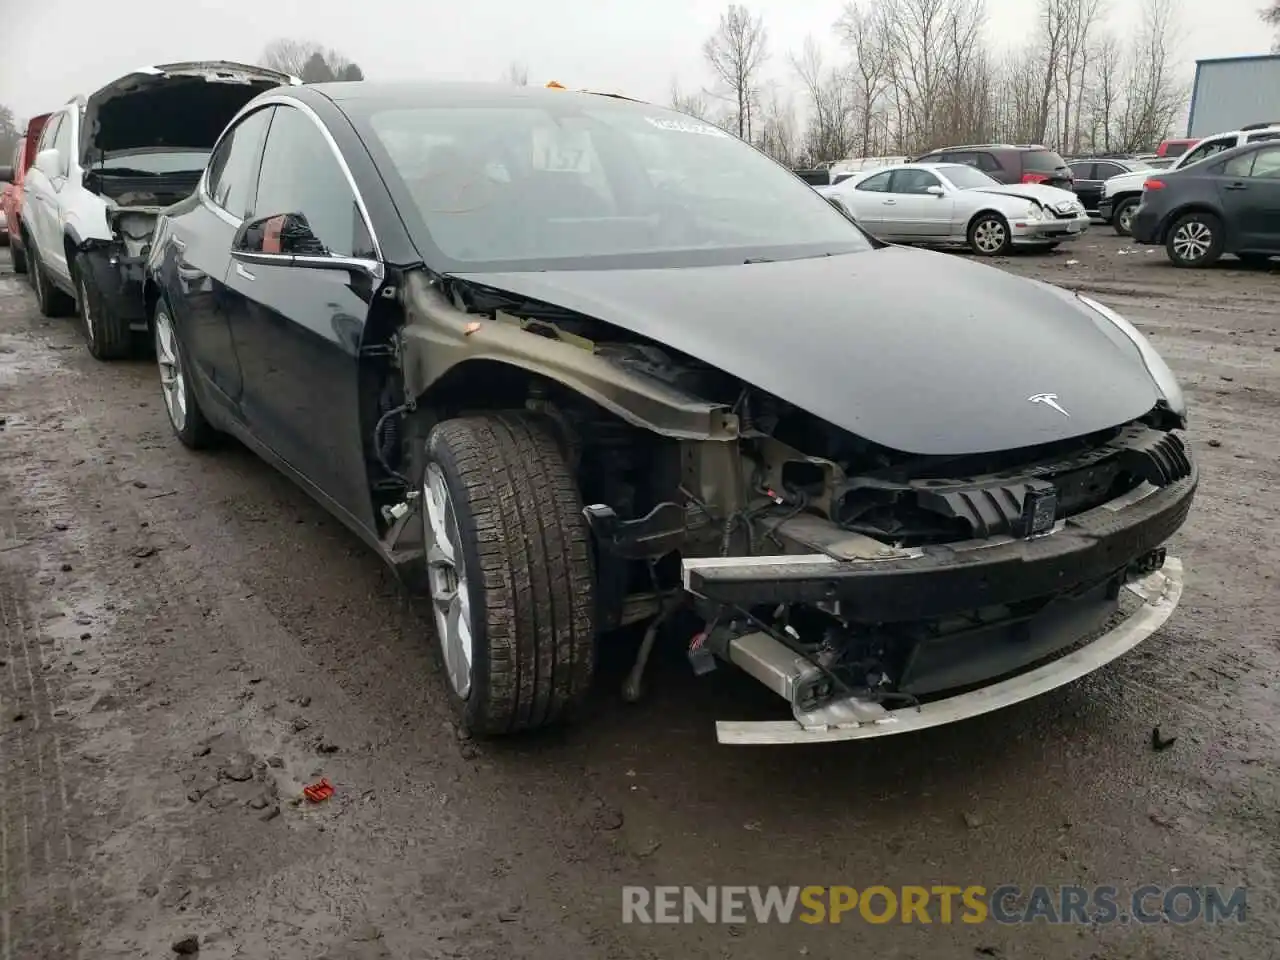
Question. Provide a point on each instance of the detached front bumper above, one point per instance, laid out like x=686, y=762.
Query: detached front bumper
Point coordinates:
x=854, y=719
x=1034, y=232
x=1075, y=573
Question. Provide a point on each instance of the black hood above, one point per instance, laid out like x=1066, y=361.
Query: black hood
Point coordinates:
x=926, y=353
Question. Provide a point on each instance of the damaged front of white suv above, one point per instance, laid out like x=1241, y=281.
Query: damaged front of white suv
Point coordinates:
x=145, y=141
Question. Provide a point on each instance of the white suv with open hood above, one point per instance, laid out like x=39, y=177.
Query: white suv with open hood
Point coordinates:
x=105, y=167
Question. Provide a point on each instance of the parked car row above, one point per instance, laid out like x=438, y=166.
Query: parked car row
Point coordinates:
x=93, y=176
x=571, y=362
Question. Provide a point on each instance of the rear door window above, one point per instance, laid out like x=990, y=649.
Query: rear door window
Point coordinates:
x=1084, y=171
x=1105, y=171
x=877, y=184
x=234, y=163
x=1269, y=135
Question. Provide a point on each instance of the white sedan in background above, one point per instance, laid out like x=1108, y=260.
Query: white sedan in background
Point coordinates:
x=951, y=203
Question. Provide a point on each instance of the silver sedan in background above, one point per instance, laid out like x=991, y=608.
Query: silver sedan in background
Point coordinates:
x=954, y=204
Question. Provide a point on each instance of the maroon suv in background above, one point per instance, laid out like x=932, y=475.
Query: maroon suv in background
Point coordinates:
x=1009, y=163
x=24, y=155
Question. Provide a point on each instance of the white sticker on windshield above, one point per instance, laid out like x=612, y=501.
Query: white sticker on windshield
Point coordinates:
x=565, y=151
x=685, y=126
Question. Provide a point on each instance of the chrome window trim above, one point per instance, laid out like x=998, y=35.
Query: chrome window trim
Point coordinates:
x=288, y=101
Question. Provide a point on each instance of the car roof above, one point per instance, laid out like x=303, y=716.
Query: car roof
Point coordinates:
x=366, y=94
x=1234, y=152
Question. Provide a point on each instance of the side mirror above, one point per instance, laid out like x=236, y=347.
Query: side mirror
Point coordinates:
x=282, y=234
x=49, y=163
x=936, y=191
x=6, y=174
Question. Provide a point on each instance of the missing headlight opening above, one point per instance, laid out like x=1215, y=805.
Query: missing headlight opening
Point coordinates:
x=850, y=578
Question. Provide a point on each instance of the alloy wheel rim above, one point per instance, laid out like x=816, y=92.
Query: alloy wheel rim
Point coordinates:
x=1192, y=240
x=447, y=579
x=85, y=310
x=172, y=378
x=1126, y=216
x=989, y=236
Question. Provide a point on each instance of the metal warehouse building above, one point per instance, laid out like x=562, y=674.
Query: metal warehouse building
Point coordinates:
x=1233, y=91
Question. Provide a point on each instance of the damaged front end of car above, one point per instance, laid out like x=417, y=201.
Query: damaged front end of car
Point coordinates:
x=874, y=591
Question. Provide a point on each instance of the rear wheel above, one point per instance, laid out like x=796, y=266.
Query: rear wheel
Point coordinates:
x=1195, y=240
x=989, y=235
x=509, y=570
x=52, y=301
x=1122, y=219
x=105, y=332
x=185, y=416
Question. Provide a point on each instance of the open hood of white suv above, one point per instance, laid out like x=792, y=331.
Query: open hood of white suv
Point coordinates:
x=174, y=106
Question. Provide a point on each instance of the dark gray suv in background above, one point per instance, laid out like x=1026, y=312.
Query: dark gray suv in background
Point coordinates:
x=1009, y=163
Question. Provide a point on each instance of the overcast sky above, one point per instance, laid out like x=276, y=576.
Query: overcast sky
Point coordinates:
x=55, y=49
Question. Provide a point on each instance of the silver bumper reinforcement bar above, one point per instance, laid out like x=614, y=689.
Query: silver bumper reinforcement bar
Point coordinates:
x=855, y=719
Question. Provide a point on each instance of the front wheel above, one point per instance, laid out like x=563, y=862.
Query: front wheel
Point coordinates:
x=105, y=333
x=989, y=236
x=1195, y=240
x=509, y=568
x=1122, y=219
x=185, y=416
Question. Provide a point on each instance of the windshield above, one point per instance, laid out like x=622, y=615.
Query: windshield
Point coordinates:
x=178, y=161
x=596, y=185
x=967, y=178
x=1042, y=161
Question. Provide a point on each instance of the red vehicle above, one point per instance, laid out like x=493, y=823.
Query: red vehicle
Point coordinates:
x=1176, y=147
x=11, y=193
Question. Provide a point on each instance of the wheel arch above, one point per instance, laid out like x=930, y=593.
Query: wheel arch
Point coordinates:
x=985, y=211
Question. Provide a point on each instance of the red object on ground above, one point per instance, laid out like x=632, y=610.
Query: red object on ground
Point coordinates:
x=319, y=791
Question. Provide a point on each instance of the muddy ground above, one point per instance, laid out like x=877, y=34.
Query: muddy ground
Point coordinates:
x=188, y=640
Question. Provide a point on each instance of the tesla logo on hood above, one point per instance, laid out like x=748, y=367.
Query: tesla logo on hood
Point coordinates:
x=1049, y=400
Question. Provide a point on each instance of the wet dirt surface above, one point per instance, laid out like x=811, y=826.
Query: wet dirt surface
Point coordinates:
x=188, y=640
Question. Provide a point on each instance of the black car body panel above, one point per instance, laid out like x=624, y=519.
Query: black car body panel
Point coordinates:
x=927, y=355
x=1225, y=185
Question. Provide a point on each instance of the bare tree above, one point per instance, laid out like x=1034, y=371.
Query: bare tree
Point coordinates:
x=694, y=104
x=863, y=32
x=309, y=60
x=517, y=74
x=1104, y=93
x=1154, y=96
x=1271, y=15
x=10, y=134
x=779, y=132
x=831, y=105
x=736, y=51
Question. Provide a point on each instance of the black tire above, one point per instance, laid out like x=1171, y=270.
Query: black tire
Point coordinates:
x=1122, y=217
x=105, y=333
x=190, y=426
x=1195, y=240
x=526, y=555
x=19, y=257
x=989, y=235
x=52, y=301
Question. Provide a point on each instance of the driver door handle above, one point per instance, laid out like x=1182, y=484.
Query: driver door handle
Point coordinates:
x=889, y=203
x=242, y=272
x=1237, y=186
